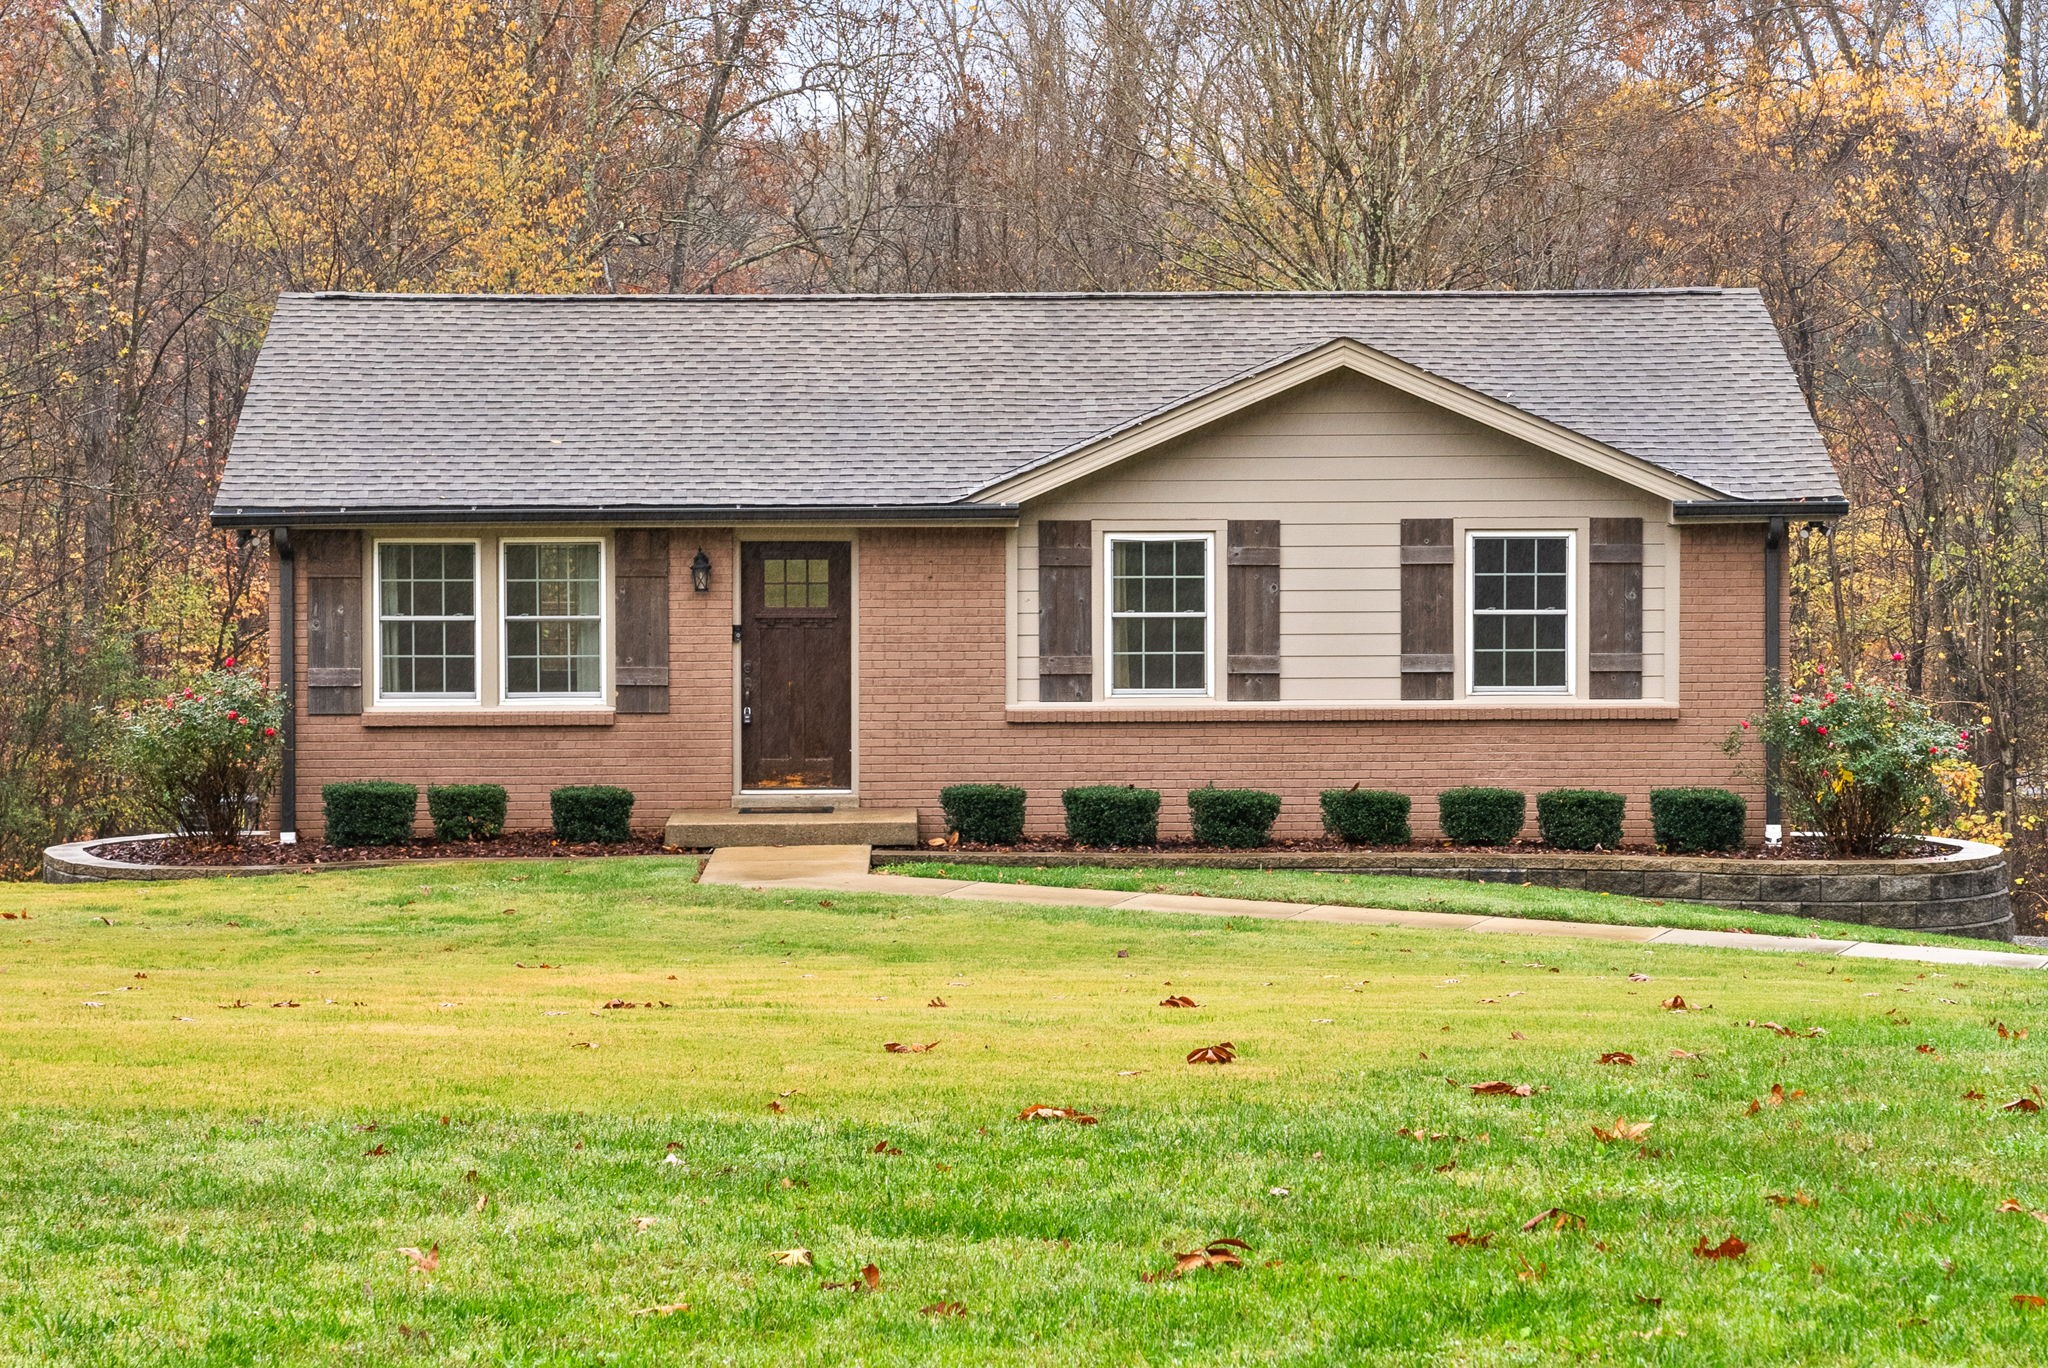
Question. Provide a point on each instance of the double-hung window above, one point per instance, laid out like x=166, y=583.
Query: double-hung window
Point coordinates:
x=1160, y=614
x=426, y=621
x=1521, y=627
x=553, y=619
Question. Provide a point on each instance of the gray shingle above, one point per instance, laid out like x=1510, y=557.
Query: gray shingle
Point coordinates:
x=432, y=402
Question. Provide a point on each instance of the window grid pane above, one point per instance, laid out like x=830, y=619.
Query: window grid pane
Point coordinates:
x=1521, y=636
x=426, y=598
x=796, y=584
x=1159, y=597
x=554, y=623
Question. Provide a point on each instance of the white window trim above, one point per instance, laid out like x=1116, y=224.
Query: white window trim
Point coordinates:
x=1570, y=613
x=599, y=699
x=1110, y=615
x=377, y=620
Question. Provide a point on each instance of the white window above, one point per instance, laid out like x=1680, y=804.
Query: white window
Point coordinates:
x=1159, y=612
x=1521, y=616
x=426, y=621
x=553, y=597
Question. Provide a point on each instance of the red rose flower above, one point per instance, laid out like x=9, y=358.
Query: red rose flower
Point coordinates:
x=228, y=664
x=1898, y=656
x=270, y=731
x=1822, y=730
x=233, y=715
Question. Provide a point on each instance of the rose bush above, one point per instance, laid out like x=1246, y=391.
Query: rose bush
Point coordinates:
x=1862, y=762
x=203, y=757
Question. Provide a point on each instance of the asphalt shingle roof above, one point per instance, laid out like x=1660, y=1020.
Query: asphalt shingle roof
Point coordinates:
x=452, y=403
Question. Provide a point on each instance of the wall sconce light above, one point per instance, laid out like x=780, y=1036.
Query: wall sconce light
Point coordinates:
x=700, y=572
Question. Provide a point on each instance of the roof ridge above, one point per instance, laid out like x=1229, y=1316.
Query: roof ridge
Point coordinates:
x=1020, y=296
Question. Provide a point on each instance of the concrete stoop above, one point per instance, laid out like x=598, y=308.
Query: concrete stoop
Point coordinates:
x=710, y=828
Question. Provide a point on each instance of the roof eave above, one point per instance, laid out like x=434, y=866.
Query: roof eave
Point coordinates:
x=1821, y=508
x=244, y=515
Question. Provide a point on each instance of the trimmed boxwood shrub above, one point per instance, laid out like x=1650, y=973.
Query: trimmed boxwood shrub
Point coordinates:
x=1234, y=818
x=369, y=812
x=987, y=814
x=1112, y=815
x=1481, y=816
x=1366, y=816
x=466, y=812
x=1580, y=819
x=587, y=813
x=1692, y=819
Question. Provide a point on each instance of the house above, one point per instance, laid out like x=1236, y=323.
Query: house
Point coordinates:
x=831, y=551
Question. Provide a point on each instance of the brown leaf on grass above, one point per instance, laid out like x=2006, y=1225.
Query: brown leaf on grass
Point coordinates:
x=2021, y=1104
x=1731, y=1248
x=1178, y=1000
x=376, y=1151
x=644, y=1223
x=1501, y=1088
x=1623, y=1129
x=1215, y=1254
x=1810, y=1033
x=1040, y=1112
x=1972, y=1095
x=775, y=1105
x=1516, y=1035
x=791, y=1258
x=483, y=1200
x=2006, y=1032
x=1794, y=1199
x=665, y=1309
x=936, y=1002
x=1557, y=1218
x=944, y=1309
x=425, y=1260
x=1529, y=1272
x=884, y=1147
x=1221, y=1053
x=2013, y=1204
x=898, y=1047
x=1617, y=1057
x=1639, y=977
x=2029, y=1300
x=1777, y=1097
x=583, y=1045
x=1465, y=1239
x=1684, y=1054
x=870, y=1281
x=1675, y=1003
x=1642, y=1300
x=230, y=1006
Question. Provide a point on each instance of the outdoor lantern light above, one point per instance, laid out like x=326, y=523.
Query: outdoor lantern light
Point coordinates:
x=700, y=572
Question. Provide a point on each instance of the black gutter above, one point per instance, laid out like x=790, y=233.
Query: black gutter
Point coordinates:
x=287, y=678
x=598, y=513
x=1744, y=510
x=1774, y=647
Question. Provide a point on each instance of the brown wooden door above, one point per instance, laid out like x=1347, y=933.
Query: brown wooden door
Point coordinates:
x=796, y=665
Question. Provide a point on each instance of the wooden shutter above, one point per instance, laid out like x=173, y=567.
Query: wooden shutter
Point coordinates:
x=1066, y=654
x=1615, y=605
x=641, y=610
x=1428, y=630
x=332, y=563
x=1254, y=596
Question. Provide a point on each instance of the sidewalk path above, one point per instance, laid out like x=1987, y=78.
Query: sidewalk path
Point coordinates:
x=844, y=869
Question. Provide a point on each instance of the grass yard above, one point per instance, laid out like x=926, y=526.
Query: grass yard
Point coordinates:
x=1427, y=895
x=186, y=1180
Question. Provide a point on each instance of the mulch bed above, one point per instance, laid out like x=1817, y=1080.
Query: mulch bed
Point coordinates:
x=195, y=850
x=1795, y=849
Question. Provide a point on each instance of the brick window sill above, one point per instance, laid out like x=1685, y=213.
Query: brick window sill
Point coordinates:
x=490, y=717
x=1454, y=712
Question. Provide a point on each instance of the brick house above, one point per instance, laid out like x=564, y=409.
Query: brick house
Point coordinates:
x=737, y=552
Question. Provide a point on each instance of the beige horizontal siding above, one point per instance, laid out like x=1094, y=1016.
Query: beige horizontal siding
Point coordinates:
x=1339, y=463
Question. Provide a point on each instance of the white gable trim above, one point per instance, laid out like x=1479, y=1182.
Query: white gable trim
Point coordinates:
x=1185, y=416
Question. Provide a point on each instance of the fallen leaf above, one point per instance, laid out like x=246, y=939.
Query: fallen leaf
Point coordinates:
x=792, y=1258
x=1675, y=1004
x=1638, y=978
x=1215, y=1254
x=1465, y=1239
x=897, y=1047
x=1810, y=1033
x=1179, y=1000
x=2021, y=1104
x=884, y=1147
x=1642, y=1300
x=1730, y=1248
x=584, y=1045
x=2028, y=1299
x=1684, y=1054
x=776, y=1106
x=425, y=1260
x=1528, y=1272
x=1557, y=1218
x=1039, y=1112
x=644, y=1222
x=870, y=1281
x=944, y=1309
x=377, y=1150
x=1213, y=1054
x=1501, y=1088
x=936, y=1002
x=1972, y=1095
x=1795, y=1199
x=1623, y=1129
x=1617, y=1057
x=2008, y=1033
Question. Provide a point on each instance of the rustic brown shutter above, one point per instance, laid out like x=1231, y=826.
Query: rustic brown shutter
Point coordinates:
x=1066, y=654
x=1428, y=630
x=332, y=563
x=1615, y=603
x=1254, y=589
x=641, y=608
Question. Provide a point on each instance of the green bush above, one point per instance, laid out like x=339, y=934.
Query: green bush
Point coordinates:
x=1366, y=816
x=1580, y=819
x=1237, y=819
x=1690, y=819
x=369, y=812
x=588, y=813
x=203, y=758
x=1112, y=815
x=986, y=814
x=1481, y=816
x=466, y=812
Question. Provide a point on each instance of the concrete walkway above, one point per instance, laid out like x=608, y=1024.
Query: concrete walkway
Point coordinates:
x=844, y=869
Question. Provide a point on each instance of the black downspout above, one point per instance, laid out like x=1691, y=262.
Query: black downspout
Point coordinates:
x=287, y=680
x=1774, y=650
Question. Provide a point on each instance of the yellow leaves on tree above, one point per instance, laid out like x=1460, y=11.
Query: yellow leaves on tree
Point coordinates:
x=399, y=145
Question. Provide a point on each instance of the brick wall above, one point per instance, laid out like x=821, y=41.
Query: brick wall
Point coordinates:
x=931, y=711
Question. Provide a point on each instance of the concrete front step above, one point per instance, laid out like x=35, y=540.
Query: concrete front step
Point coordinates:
x=709, y=828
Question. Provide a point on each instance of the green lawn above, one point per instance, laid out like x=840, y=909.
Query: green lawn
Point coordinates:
x=1427, y=895
x=234, y=1187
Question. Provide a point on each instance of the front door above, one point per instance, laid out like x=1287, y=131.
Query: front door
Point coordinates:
x=796, y=665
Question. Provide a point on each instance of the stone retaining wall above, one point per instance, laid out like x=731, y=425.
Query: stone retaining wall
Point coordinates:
x=1964, y=891
x=80, y=862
